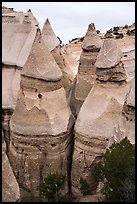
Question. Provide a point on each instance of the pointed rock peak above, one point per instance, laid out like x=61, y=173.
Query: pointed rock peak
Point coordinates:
x=109, y=55
x=91, y=27
x=40, y=63
x=49, y=36
x=29, y=10
x=47, y=22
x=92, y=41
x=31, y=18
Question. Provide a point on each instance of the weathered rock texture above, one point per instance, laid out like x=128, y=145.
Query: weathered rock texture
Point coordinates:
x=6, y=116
x=50, y=39
x=52, y=42
x=126, y=125
x=18, y=33
x=42, y=121
x=94, y=128
x=10, y=187
x=109, y=65
x=86, y=71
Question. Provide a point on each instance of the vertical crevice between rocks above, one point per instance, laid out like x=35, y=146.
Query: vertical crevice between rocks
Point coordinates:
x=69, y=160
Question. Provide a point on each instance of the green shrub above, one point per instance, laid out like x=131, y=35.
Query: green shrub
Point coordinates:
x=52, y=186
x=84, y=187
x=98, y=31
x=118, y=172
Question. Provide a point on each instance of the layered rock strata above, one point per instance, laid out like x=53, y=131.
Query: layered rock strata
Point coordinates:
x=86, y=71
x=99, y=114
x=42, y=121
x=53, y=44
x=10, y=187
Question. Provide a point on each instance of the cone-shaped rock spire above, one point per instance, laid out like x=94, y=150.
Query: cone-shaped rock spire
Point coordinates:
x=49, y=36
x=41, y=123
x=91, y=41
x=40, y=63
x=86, y=70
x=94, y=132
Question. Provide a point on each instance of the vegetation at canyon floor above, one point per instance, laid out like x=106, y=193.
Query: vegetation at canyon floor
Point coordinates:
x=117, y=171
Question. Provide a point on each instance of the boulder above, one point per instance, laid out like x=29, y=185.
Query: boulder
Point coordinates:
x=109, y=65
x=109, y=55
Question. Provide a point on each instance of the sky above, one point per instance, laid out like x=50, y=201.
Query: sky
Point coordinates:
x=71, y=19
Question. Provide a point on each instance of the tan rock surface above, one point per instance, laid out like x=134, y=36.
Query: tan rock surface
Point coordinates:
x=109, y=65
x=50, y=39
x=96, y=121
x=91, y=41
x=67, y=78
x=41, y=123
x=94, y=129
x=109, y=55
x=50, y=112
x=10, y=187
x=53, y=44
x=40, y=63
x=10, y=86
x=86, y=70
x=126, y=125
x=17, y=28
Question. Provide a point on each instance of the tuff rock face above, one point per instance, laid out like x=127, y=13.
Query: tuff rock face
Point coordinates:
x=10, y=187
x=52, y=42
x=109, y=65
x=50, y=39
x=42, y=121
x=86, y=71
x=94, y=127
x=126, y=125
x=18, y=33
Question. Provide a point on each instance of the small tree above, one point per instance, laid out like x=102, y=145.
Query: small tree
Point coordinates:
x=84, y=187
x=52, y=186
x=118, y=172
x=98, y=31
